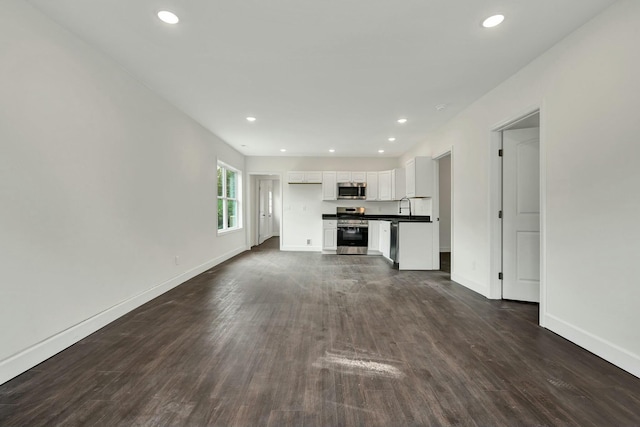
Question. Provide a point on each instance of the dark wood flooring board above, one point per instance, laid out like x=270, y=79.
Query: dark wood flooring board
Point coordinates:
x=275, y=338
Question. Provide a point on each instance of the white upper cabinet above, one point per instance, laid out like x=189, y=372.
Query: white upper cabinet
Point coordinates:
x=384, y=185
x=410, y=169
x=419, y=177
x=372, y=186
x=343, y=176
x=313, y=177
x=358, y=177
x=304, y=177
x=295, y=177
x=398, y=184
x=351, y=176
x=329, y=187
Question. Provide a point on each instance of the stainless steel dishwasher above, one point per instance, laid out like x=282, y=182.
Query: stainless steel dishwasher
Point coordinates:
x=394, y=249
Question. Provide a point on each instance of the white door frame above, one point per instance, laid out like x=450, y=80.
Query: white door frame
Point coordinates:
x=495, y=205
x=436, y=202
x=262, y=193
x=253, y=210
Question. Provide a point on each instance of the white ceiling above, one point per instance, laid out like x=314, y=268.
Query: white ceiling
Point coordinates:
x=321, y=74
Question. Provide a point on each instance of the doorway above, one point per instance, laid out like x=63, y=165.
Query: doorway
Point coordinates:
x=266, y=208
x=517, y=236
x=444, y=211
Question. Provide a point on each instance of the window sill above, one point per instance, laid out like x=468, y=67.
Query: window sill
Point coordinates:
x=229, y=231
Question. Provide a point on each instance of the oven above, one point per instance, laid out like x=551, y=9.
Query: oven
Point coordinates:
x=353, y=237
x=353, y=232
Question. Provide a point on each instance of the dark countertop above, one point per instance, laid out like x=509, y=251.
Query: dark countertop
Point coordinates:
x=381, y=217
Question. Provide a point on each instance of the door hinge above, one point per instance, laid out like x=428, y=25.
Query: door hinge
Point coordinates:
x=500, y=214
x=500, y=152
x=499, y=276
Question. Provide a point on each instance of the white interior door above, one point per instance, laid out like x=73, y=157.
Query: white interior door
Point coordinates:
x=269, y=195
x=263, y=208
x=521, y=215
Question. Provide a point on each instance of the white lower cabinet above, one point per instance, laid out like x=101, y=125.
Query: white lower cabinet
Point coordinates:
x=385, y=238
x=330, y=235
x=374, y=237
x=415, y=242
x=416, y=246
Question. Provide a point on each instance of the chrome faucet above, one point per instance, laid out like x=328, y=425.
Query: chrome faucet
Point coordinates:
x=400, y=205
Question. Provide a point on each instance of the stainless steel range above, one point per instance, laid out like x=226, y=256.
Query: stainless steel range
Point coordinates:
x=353, y=231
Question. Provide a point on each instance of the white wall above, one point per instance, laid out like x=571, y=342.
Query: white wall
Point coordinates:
x=102, y=184
x=302, y=205
x=444, y=203
x=587, y=87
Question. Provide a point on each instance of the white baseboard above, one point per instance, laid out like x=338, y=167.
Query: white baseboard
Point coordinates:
x=610, y=352
x=38, y=353
x=443, y=249
x=470, y=284
x=301, y=248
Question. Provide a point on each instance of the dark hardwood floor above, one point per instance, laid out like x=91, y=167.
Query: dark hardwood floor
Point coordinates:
x=301, y=339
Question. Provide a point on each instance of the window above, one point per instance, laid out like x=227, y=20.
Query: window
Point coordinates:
x=229, y=198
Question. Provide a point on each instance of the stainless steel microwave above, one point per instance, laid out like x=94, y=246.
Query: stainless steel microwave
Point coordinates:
x=352, y=190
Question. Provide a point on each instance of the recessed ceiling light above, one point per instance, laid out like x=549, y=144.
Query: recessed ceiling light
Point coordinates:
x=380, y=151
x=251, y=119
x=493, y=21
x=392, y=139
x=283, y=149
x=402, y=121
x=332, y=150
x=168, y=17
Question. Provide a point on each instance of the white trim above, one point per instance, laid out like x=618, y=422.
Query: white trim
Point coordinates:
x=495, y=204
x=225, y=198
x=300, y=248
x=607, y=350
x=443, y=153
x=229, y=231
x=436, y=246
x=470, y=284
x=495, y=223
x=252, y=208
x=543, y=216
x=445, y=249
x=37, y=353
x=524, y=114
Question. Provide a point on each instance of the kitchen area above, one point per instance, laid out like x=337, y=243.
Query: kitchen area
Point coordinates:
x=368, y=213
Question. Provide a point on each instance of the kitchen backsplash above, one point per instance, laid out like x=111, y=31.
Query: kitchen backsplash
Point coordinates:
x=418, y=206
